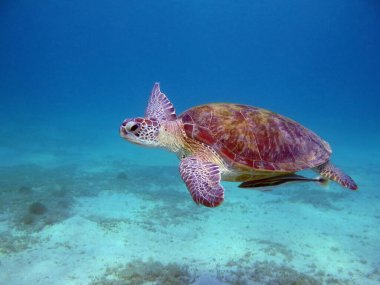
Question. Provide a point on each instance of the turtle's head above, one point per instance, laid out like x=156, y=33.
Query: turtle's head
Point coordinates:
x=145, y=131
x=141, y=131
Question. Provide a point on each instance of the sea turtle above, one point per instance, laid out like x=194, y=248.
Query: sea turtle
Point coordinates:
x=232, y=142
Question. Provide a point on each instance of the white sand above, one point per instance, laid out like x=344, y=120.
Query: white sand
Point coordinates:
x=114, y=228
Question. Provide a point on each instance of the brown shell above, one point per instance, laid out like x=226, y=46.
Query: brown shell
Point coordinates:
x=246, y=136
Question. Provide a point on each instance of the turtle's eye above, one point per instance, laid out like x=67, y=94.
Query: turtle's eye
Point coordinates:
x=132, y=126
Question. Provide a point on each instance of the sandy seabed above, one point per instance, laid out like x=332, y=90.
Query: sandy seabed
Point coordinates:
x=112, y=222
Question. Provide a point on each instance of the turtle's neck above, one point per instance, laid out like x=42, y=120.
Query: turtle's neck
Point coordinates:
x=171, y=136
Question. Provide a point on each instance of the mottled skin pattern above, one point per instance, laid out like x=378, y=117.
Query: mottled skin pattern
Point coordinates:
x=249, y=138
x=203, y=181
x=337, y=175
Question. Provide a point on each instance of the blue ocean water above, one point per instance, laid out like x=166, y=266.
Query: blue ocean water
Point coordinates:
x=78, y=205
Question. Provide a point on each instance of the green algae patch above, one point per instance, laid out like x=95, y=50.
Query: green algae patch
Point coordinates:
x=139, y=272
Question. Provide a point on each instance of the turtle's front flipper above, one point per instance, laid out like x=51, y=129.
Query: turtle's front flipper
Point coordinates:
x=277, y=180
x=329, y=171
x=159, y=106
x=202, y=178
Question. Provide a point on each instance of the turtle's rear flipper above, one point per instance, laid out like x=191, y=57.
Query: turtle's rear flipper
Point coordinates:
x=329, y=171
x=277, y=180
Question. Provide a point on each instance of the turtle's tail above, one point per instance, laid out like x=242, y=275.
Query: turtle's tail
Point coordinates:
x=329, y=171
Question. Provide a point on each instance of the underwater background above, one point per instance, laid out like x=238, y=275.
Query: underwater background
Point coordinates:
x=78, y=205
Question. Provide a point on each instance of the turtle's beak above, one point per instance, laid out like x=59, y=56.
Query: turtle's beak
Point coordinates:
x=122, y=131
x=128, y=135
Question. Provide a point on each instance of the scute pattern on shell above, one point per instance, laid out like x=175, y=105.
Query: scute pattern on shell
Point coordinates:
x=255, y=138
